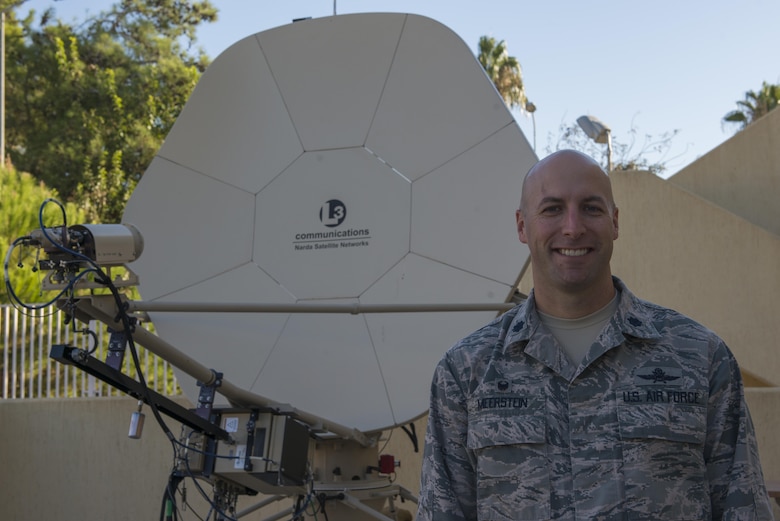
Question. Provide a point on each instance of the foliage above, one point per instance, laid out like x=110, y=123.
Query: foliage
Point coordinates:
x=625, y=156
x=503, y=70
x=22, y=209
x=89, y=106
x=21, y=197
x=755, y=105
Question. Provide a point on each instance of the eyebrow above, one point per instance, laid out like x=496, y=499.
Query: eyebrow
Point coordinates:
x=589, y=199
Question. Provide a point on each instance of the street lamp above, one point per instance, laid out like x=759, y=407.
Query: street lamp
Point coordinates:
x=598, y=132
x=531, y=108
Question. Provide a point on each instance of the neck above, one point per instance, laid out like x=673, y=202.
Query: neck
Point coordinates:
x=569, y=304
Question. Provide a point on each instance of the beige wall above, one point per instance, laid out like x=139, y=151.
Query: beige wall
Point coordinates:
x=743, y=174
x=71, y=460
x=681, y=251
x=764, y=403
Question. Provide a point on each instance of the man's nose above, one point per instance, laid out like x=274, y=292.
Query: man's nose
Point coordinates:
x=573, y=225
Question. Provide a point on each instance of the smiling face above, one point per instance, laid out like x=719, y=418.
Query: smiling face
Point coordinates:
x=569, y=221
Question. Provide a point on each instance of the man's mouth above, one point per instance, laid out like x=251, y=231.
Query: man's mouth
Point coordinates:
x=573, y=252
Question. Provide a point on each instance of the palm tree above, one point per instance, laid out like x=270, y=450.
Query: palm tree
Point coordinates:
x=755, y=105
x=503, y=70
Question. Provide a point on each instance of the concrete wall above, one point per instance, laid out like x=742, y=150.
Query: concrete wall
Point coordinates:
x=684, y=252
x=70, y=460
x=743, y=174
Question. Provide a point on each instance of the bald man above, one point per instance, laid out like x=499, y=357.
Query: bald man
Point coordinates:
x=585, y=402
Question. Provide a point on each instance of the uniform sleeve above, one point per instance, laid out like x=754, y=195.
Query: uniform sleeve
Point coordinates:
x=447, y=485
x=737, y=487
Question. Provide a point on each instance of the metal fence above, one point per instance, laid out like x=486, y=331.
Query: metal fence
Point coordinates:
x=28, y=372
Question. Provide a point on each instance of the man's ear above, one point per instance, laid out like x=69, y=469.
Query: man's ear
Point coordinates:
x=521, y=226
x=615, y=223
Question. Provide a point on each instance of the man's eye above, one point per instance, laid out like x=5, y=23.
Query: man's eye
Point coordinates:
x=551, y=209
x=593, y=209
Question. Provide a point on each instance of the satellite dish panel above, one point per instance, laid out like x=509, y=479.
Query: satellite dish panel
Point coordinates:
x=357, y=159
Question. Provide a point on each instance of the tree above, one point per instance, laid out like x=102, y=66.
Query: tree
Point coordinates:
x=89, y=106
x=503, y=70
x=625, y=155
x=21, y=197
x=755, y=105
x=22, y=208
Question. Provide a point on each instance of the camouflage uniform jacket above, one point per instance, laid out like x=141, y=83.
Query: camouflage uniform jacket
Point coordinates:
x=651, y=425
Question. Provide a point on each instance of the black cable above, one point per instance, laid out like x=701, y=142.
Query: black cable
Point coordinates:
x=303, y=503
x=323, y=498
x=168, y=510
x=14, y=298
x=191, y=475
x=128, y=323
x=412, y=435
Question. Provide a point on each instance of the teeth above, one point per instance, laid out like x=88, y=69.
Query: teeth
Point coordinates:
x=574, y=253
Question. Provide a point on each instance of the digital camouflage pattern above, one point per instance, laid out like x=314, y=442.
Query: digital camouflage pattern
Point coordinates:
x=652, y=425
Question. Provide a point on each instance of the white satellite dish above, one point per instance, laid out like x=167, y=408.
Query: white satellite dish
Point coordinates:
x=361, y=159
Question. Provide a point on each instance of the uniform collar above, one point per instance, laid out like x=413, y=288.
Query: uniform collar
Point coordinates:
x=632, y=319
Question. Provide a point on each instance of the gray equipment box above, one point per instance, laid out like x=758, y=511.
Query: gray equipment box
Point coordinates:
x=269, y=453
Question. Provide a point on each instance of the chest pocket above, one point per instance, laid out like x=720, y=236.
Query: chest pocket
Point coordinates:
x=663, y=459
x=665, y=420
x=510, y=450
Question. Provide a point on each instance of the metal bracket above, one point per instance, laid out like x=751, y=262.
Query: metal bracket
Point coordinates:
x=73, y=356
x=117, y=344
x=206, y=396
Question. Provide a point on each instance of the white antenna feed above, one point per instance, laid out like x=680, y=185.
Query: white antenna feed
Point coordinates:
x=72, y=251
x=104, y=244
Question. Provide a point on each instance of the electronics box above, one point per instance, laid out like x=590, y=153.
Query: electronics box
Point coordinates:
x=269, y=453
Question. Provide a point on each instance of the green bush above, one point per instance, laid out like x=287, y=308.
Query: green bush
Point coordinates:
x=22, y=207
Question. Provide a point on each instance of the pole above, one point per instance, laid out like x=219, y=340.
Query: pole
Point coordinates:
x=2, y=88
x=103, y=308
x=353, y=309
x=531, y=108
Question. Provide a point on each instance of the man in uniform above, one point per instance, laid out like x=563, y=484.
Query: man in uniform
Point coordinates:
x=585, y=402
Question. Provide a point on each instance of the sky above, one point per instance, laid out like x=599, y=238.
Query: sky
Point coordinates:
x=642, y=68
